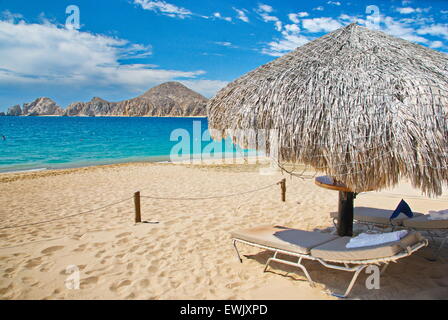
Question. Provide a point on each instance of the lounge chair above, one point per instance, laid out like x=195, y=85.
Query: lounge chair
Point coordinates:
x=327, y=249
x=372, y=217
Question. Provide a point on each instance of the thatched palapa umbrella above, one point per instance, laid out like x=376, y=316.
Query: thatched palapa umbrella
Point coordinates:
x=364, y=107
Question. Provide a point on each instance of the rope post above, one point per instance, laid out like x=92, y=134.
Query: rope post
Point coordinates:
x=138, y=214
x=282, y=184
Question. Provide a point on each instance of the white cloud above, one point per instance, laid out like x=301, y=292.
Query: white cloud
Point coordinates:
x=278, y=25
x=401, y=30
x=335, y=3
x=294, y=17
x=292, y=28
x=436, y=44
x=225, y=44
x=435, y=30
x=264, y=10
x=164, y=8
x=408, y=10
x=291, y=39
x=11, y=17
x=349, y=19
x=38, y=54
x=288, y=43
x=405, y=10
x=410, y=28
x=323, y=24
x=320, y=8
x=241, y=14
x=219, y=16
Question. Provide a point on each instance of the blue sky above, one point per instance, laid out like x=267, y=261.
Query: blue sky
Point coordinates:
x=124, y=47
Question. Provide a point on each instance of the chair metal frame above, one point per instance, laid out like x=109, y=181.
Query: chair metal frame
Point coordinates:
x=358, y=265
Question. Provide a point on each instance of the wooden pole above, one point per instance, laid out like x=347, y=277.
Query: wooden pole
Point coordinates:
x=345, y=215
x=138, y=214
x=283, y=189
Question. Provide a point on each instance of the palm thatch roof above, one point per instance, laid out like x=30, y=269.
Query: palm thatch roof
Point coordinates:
x=359, y=105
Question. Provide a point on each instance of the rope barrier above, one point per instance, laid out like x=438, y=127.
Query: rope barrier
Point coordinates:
x=212, y=197
x=66, y=217
x=150, y=197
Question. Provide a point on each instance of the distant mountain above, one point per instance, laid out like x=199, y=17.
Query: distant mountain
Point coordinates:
x=14, y=111
x=42, y=107
x=96, y=107
x=39, y=107
x=168, y=99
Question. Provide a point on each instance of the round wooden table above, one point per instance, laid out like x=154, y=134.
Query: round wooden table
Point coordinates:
x=345, y=208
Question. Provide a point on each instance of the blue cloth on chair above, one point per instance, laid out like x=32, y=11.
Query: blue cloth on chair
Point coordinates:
x=402, y=207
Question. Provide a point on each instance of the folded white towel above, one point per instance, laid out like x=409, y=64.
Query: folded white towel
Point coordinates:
x=438, y=215
x=366, y=239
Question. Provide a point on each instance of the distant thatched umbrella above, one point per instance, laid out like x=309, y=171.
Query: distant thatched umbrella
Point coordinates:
x=362, y=106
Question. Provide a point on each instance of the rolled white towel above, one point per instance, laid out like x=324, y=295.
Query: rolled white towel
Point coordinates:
x=438, y=215
x=366, y=239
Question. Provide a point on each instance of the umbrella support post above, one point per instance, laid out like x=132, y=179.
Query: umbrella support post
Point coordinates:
x=345, y=214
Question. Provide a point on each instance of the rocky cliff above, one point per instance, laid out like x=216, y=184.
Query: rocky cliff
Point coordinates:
x=14, y=111
x=168, y=99
x=39, y=107
x=95, y=107
x=42, y=107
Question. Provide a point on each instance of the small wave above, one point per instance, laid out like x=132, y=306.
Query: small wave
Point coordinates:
x=25, y=170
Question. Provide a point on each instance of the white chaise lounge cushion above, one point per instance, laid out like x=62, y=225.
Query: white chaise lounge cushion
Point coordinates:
x=379, y=216
x=299, y=241
x=423, y=222
x=336, y=250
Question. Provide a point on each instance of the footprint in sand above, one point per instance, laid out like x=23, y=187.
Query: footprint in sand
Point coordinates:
x=32, y=263
x=152, y=269
x=46, y=267
x=130, y=296
x=30, y=281
x=6, y=290
x=121, y=284
x=122, y=241
x=9, y=271
x=233, y=285
x=48, y=251
x=99, y=253
x=144, y=283
x=121, y=235
x=99, y=244
x=80, y=248
x=89, y=282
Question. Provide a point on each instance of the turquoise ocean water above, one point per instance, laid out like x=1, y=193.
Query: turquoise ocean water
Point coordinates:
x=38, y=143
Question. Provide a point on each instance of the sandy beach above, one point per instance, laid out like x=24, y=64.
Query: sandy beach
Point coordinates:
x=188, y=253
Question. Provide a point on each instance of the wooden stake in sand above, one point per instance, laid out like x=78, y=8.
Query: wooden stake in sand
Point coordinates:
x=138, y=214
x=283, y=189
